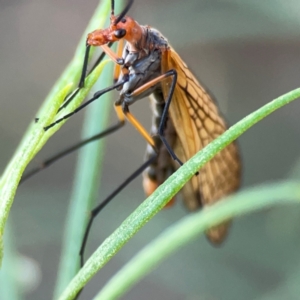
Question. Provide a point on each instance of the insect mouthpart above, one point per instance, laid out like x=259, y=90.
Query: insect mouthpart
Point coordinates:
x=99, y=37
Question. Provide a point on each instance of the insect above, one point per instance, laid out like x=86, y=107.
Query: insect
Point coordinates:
x=185, y=117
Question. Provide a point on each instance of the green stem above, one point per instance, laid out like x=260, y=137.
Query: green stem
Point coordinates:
x=35, y=136
x=87, y=177
x=153, y=204
x=85, y=189
x=9, y=285
x=190, y=227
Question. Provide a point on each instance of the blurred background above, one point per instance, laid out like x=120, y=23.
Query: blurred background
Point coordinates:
x=246, y=53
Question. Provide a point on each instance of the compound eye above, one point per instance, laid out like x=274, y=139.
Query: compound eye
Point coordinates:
x=119, y=33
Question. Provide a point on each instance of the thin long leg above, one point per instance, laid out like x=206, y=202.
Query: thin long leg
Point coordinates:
x=99, y=207
x=81, y=80
x=95, y=97
x=164, y=118
x=71, y=149
x=136, y=123
x=98, y=61
x=106, y=50
x=117, y=70
x=165, y=114
x=112, y=5
x=84, y=67
x=114, y=57
x=83, y=75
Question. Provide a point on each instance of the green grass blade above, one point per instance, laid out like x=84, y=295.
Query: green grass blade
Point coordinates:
x=153, y=204
x=86, y=186
x=189, y=228
x=87, y=178
x=35, y=136
x=9, y=285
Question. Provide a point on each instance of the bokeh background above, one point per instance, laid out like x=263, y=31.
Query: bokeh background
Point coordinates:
x=247, y=53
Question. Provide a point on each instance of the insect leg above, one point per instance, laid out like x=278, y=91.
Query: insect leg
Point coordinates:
x=138, y=126
x=76, y=146
x=69, y=150
x=98, y=208
x=117, y=70
x=116, y=59
x=165, y=114
x=98, y=61
x=95, y=97
x=70, y=97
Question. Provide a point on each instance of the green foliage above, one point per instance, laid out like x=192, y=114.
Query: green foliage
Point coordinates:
x=173, y=238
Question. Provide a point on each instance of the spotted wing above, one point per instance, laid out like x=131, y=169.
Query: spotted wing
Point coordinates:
x=197, y=121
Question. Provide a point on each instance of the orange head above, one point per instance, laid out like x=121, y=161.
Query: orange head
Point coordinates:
x=120, y=27
x=126, y=28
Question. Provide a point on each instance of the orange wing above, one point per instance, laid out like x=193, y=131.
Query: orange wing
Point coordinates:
x=197, y=121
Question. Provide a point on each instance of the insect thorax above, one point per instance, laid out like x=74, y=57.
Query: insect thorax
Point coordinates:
x=143, y=64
